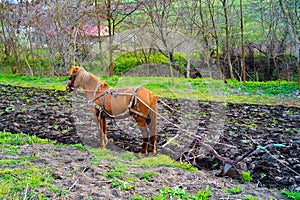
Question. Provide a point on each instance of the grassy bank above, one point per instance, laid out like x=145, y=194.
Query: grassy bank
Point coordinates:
x=26, y=177
x=25, y=173
x=273, y=92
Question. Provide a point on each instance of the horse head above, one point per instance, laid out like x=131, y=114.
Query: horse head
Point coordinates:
x=71, y=83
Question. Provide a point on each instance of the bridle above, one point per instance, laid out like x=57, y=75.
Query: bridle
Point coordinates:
x=71, y=82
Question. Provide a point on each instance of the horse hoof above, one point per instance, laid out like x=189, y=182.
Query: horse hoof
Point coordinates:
x=142, y=153
x=151, y=154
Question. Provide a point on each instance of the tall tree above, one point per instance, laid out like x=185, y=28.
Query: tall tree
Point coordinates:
x=215, y=35
x=243, y=66
x=227, y=37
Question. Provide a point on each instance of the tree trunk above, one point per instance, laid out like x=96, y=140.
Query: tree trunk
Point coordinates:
x=243, y=65
x=110, y=35
x=99, y=34
x=215, y=35
x=224, y=3
x=172, y=65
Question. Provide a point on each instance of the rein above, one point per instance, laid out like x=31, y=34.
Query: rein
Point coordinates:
x=72, y=79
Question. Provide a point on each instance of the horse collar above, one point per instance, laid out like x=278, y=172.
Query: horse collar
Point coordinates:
x=97, y=88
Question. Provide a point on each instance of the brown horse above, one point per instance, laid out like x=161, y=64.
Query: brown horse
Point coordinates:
x=107, y=102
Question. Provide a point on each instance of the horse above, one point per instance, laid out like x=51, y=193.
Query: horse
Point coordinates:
x=107, y=102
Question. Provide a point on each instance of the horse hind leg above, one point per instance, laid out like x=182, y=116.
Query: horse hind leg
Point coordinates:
x=145, y=133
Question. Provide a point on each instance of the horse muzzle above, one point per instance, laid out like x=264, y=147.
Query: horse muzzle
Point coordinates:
x=69, y=87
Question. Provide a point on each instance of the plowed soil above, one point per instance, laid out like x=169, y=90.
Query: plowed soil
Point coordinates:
x=232, y=130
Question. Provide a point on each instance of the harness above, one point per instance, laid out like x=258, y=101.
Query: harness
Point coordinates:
x=104, y=113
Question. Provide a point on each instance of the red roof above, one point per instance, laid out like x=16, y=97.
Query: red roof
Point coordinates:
x=87, y=30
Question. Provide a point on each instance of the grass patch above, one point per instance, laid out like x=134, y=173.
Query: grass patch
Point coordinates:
x=11, y=142
x=103, y=154
x=21, y=139
x=14, y=181
x=271, y=92
x=19, y=175
x=234, y=190
x=159, y=160
x=176, y=193
x=43, y=82
x=246, y=176
x=290, y=194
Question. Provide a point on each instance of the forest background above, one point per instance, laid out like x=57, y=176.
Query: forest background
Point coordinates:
x=248, y=40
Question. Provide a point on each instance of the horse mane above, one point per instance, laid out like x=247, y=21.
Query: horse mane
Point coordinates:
x=82, y=76
x=85, y=78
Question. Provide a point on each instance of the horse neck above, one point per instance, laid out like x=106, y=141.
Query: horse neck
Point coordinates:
x=91, y=84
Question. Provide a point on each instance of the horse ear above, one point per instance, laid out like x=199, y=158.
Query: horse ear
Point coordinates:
x=104, y=83
x=75, y=69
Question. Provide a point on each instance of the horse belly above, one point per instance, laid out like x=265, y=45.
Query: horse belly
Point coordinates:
x=119, y=106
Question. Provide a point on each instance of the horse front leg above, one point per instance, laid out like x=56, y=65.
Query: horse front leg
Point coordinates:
x=152, y=122
x=102, y=132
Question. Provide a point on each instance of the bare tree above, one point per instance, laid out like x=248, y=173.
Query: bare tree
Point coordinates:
x=12, y=36
x=115, y=12
x=164, y=28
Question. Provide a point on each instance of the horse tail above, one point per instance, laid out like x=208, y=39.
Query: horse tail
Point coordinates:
x=165, y=104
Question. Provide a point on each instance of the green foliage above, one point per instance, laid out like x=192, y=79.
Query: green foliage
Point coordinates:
x=148, y=175
x=162, y=160
x=103, y=154
x=249, y=197
x=291, y=195
x=121, y=184
x=9, y=139
x=41, y=64
x=114, y=174
x=174, y=192
x=125, y=62
x=138, y=197
x=80, y=146
x=128, y=156
x=246, y=176
x=179, y=193
x=235, y=190
x=128, y=60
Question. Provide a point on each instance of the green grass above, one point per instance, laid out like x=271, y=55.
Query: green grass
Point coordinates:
x=9, y=143
x=291, y=194
x=246, y=176
x=176, y=193
x=234, y=190
x=272, y=92
x=43, y=82
x=19, y=174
